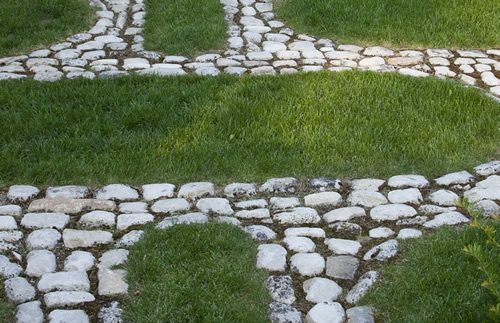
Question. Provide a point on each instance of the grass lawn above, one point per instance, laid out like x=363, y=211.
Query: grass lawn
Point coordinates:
x=398, y=23
x=26, y=25
x=184, y=27
x=146, y=129
x=7, y=309
x=433, y=280
x=196, y=273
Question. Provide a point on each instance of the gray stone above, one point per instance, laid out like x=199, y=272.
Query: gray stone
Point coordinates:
x=127, y=220
x=240, y=189
x=491, y=181
x=271, y=257
x=9, y=269
x=392, y=212
x=477, y=194
x=321, y=290
x=85, y=239
x=197, y=217
x=72, y=206
x=487, y=207
x=487, y=169
x=401, y=181
x=130, y=238
x=111, y=314
x=260, y=232
x=344, y=214
x=68, y=192
x=359, y=290
x=325, y=184
x=156, y=191
x=22, y=192
x=18, y=290
x=418, y=220
x=284, y=202
x=281, y=289
x=433, y=52
x=346, y=228
x=219, y=206
x=299, y=244
x=40, y=262
x=323, y=199
x=192, y=191
x=65, y=316
x=490, y=79
x=253, y=214
x=279, y=185
x=113, y=258
x=360, y=314
x=378, y=51
x=228, y=219
x=409, y=234
x=263, y=70
x=343, y=247
x=112, y=74
x=79, y=261
x=133, y=207
x=117, y=192
x=433, y=209
x=79, y=38
x=299, y=215
x=45, y=220
x=251, y=204
x=366, y=198
x=111, y=282
x=368, y=184
x=471, y=53
x=67, y=298
x=326, y=312
x=450, y=218
x=207, y=71
x=306, y=232
x=98, y=219
x=409, y=195
x=65, y=281
x=381, y=232
x=43, y=239
x=68, y=54
x=13, y=210
x=283, y=313
x=29, y=313
x=443, y=198
x=307, y=264
x=170, y=206
x=383, y=251
x=7, y=223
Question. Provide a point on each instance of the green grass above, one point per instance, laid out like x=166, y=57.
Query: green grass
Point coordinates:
x=7, y=310
x=144, y=129
x=398, y=23
x=434, y=280
x=195, y=273
x=26, y=25
x=184, y=27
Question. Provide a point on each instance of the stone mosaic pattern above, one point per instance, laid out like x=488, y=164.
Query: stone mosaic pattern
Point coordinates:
x=257, y=44
x=317, y=238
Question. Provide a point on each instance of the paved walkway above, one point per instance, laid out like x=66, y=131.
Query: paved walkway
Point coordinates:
x=256, y=44
x=59, y=244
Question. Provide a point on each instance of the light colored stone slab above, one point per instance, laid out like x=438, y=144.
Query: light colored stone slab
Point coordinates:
x=409, y=195
x=68, y=192
x=401, y=181
x=79, y=261
x=125, y=221
x=19, y=290
x=271, y=257
x=366, y=198
x=156, y=191
x=343, y=246
x=392, y=212
x=22, y=192
x=330, y=312
x=66, y=316
x=380, y=232
x=215, y=205
x=70, y=206
x=29, y=313
x=305, y=232
x=299, y=215
x=260, y=232
x=321, y=290
x=323, y=199
x=299, y=244
x=98, y=219
x=450, y=218
x=444, y=198
x=117, y=192
x=281, y=289
x=307, y=264
x=40, y=262
x=364, y=283
x=43, y=239
x=64, y=281
x=45, y=220
x=409, y=234
x=383, y=251
x=66, y=298
x=85, y=239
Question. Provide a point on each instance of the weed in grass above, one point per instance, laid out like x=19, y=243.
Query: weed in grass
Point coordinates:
x=195, y=273
x=399, y=23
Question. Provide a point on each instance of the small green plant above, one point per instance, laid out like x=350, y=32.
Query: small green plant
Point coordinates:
x=481, y=254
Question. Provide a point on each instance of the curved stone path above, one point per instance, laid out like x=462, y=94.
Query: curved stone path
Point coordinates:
x=318, y=238
x=256, y=44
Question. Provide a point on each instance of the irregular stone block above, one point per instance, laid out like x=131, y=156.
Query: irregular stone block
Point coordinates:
x=85, y=239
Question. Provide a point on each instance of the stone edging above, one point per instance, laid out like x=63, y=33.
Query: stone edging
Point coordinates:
x=58, y=245
x=257, y=44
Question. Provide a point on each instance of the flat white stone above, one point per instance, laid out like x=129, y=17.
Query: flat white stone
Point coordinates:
x=73, y=206
x=392, y=212
x=487, y=207
x=22, y=192
x=323, y=199
x=113, y=258
x=307, y=264
x=64, y=316
x=192, y=191
x=491, y=181
x=433, y=209
x=360, y=314
x=299, y=215
x=364, y=283
x=401, y=181
x=260, y=232
x=378, y=51
x=343, y=247
x=350, y=48
x=468, y=80
x=282, y=203
x=383, y=251
x=240, y=189
x=65, y=281
x=9, y=269
x=43, y=239
x=263, y=70
x=288, y=55
x=275, y=24
x=7, y=223
x=305, y=232
x=13, y=210
x=127, y=220
x=299, y=244
x=109, y=39
x=130, y=238
x=488, y=168
x=40, y=262
x=68, y=192
x=18, y=290
x=381, y=232
x=409, y=234
x=409, y=195
x=111, y=282
x=79, y=261
x=29, y=313
x=45, y=220
x=279, y=312
x=444, y=198
x=279, y=185
x=215, y=205
x=412, y=72
x=68, y=54
x=171, y=206
x=85, y=239
x=282, y=38
x=366, y=198
x=251, y=21
x=67, y=298
x=197, y=217
x=271, y=257
x=372, y=61
x=135, y=63
x=133, y=207
x=406, y=61
x=418, y=220
x=229, y=220
x=366, y=184
x=462, y=177
x=260, y=56
x=117, y=192
x=490, y=79
x=440, y=61
x=471, y=53
x=261, y=203
x=450, y=218
x=321, y=290
x=253, y=214
x=433, y=52
x=98, y=219
x=326, y=312
x=281, y=289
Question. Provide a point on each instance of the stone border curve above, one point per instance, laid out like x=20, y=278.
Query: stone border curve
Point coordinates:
x=256, y=44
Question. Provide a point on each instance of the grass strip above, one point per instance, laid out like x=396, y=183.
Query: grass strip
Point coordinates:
x=398, y=23
x=184, y=27
x=7, y=310
x=26, y=25
x=434, y=280
x=147, y=129
x=195, y=273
